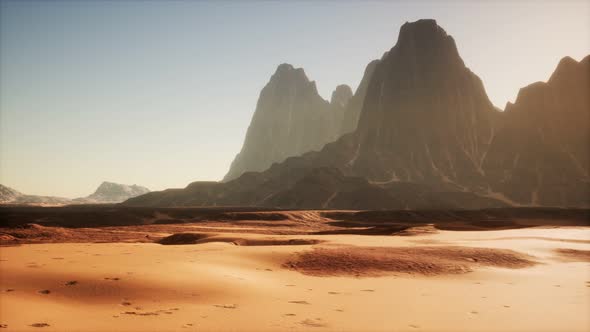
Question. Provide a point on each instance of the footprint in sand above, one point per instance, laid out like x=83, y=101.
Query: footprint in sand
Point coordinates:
x=339, y=310
x=313, y=323
x=44, y=292
x=369, y=290
x=125, y=303
x=299, y=302
x=226, y=306
x=333, y=293
x=135, y=313
x=474, y=312
x=289, y=285
x=506, y=306
x=57, y=258
x=112, y=279
x=3, y=326
x=71, y=283
x=9, y=290
x=290, y=315
x=414, y=326
x=39, y=325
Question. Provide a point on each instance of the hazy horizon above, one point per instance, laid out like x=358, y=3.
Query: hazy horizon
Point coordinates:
x=160, y=94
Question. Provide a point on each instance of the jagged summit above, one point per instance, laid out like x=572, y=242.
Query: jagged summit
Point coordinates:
x=341, y=95
x=425, y=39
x=286, y=71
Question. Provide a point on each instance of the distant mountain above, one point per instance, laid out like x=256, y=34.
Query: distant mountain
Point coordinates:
x=11, y=196
x=428, y=137
x=291, y=118
x=8, y=194
x=107, y=192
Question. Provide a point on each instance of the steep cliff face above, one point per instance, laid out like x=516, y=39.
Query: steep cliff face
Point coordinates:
x=353, y=109
x=541, y=152
x=290, y=118
x=426, y=117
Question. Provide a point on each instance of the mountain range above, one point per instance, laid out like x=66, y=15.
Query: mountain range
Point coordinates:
x=419, y=133
x=107, y=192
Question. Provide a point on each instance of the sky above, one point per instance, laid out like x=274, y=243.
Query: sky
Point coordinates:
x=160, y=93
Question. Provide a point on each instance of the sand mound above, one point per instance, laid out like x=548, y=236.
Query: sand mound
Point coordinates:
x=377, y=261
x=184, y=238
x=574, y=254
x=199, y=238
x=34, y=232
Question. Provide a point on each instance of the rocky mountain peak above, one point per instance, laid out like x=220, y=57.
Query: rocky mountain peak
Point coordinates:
x=115, y=192
x=427, y=42
x=288, y=74
x=341, y=95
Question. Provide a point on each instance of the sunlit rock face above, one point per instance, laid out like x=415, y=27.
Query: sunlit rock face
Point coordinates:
x=540, y=154
x=291, y=118
x=429, y=138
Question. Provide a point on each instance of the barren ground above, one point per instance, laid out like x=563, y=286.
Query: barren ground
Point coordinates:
x=181, y=270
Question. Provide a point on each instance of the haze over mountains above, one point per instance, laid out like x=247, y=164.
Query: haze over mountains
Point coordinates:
x=291, y=118
x=427, y=137
x=107, y=192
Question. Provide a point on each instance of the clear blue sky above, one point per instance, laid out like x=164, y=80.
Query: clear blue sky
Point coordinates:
x=160, y=93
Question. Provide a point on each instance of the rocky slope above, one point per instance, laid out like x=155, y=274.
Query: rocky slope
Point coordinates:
x=541, y=152
x=428, y=137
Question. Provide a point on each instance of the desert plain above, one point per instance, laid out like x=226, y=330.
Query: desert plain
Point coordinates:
x=134, y=269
